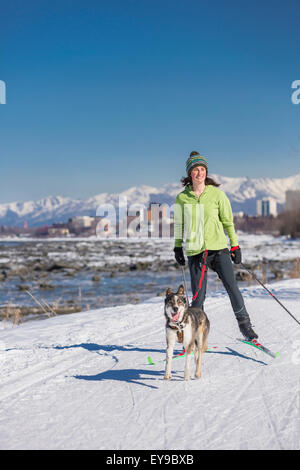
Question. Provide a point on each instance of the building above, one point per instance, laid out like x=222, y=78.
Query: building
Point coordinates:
x=292, y=200
x=157, y=210
x=82, y=221
x=58, y=232
x=266, y=206
x=238, y=214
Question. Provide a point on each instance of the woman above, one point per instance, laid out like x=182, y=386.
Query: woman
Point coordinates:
x=202, y=213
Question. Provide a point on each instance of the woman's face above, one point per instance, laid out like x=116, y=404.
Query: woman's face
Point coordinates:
x=198, y=174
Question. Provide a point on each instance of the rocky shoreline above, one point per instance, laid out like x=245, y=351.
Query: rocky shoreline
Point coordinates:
x=60, y=270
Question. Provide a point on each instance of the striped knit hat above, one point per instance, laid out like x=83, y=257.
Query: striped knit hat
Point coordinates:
x=194, y=160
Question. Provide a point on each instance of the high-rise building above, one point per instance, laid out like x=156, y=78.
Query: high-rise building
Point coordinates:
x=266, y=206
x=292, y=200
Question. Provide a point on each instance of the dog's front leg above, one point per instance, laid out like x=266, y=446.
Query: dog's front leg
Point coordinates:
x=171, y=339
x=187, y=341
x=199, y=357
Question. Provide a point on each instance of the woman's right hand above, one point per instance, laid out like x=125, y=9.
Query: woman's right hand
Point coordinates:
x=179, y=256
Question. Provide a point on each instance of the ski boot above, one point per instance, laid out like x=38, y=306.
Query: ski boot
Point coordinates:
x=246, y=328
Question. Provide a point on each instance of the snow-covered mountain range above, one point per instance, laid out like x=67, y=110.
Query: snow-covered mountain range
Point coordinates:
x=243, y=193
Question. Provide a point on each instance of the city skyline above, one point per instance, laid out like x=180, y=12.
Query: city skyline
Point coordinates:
x=244, y=195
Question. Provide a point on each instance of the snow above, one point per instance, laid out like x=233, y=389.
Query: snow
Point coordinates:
x=82, y=381
x=255, y=247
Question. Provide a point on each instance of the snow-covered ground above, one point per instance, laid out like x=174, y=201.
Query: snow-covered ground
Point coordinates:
x=255, y=247
x=82, y=381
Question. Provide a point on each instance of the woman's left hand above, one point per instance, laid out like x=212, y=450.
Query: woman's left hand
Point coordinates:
x=236, y=254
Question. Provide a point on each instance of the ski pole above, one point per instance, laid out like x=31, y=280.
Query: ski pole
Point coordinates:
x=186, y=293
x=274, y=297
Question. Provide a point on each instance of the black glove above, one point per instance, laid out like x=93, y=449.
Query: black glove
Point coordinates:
x=236, y=254
x=179, y=256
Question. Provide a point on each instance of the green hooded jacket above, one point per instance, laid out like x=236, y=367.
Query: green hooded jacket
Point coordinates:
x=201, y=221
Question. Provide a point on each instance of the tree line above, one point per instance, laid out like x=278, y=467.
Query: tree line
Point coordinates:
x=286, y=223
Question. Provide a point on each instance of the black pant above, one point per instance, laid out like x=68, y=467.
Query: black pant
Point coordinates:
x=220, y=262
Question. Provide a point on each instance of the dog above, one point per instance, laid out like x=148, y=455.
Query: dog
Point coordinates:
x=193, y=323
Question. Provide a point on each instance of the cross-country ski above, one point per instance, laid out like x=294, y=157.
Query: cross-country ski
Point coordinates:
x=259, y=346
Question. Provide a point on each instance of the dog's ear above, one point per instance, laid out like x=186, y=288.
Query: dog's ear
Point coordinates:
x=169, y=292
x=180, y=290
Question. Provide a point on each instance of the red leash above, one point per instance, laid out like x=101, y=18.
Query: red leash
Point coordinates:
x=202, y=275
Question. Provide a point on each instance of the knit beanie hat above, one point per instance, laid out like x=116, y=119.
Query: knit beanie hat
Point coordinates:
x=194, y=160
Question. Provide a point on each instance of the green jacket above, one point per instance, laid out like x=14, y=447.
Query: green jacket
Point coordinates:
x=201, y=221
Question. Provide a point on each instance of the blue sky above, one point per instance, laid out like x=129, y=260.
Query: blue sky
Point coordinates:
x=105, y=95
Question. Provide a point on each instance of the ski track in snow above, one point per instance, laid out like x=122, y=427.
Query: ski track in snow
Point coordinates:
x=82, y=381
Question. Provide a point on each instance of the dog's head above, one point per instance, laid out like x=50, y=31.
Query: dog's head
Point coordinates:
x=175, y=305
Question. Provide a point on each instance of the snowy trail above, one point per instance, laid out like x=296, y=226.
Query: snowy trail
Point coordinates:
x=82, y=381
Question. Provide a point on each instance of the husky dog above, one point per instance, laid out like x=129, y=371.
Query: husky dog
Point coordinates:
x=194, y=324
